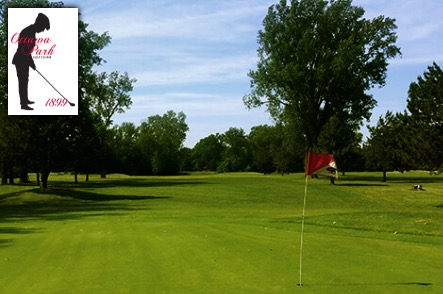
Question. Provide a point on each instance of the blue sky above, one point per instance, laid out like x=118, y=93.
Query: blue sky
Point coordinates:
x=193, y=56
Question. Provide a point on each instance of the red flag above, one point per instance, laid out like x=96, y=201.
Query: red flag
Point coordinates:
x=321, y=165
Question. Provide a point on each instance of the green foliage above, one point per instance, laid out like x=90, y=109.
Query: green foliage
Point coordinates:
x=263, y=140
x=390, y=145
x=425, y=104
x=236, y=153
x=127, y=153
x=425, y=100
x=110, y=95
x=317, y=59
x=288, y=149
x=342, y=139
x=161, y=138
x=265, y=149
x=208, y=152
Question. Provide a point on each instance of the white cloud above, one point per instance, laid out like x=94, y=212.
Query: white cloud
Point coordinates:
x=418, y=58
x=193, y=104
x=210, y=21
x=197, y=70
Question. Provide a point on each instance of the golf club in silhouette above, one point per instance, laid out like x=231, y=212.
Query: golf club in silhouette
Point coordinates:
x=70, y=103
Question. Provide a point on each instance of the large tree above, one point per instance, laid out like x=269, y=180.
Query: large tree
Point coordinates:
x=161, y=139
x=317, y=59
x=425, y=104
x=109, y=95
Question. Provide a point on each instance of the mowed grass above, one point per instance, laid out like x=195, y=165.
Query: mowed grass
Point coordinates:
x=223, y=233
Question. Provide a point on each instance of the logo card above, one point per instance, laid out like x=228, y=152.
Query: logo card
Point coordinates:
x=42, y=61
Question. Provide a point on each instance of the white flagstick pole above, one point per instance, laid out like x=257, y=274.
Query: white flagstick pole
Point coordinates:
x=302, y=229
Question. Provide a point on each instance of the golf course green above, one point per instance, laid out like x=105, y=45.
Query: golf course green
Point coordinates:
x=223, y=233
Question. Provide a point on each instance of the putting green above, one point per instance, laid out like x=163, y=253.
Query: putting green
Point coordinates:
x=222, y=233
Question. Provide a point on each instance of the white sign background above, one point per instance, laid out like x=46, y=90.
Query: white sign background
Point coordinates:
x=61, y=70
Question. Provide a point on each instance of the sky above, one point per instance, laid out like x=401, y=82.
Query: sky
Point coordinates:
x=194, y=56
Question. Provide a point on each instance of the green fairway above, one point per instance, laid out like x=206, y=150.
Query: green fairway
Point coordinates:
x=223, y=233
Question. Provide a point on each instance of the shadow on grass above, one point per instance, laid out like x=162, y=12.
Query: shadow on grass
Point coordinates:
x=391, y=178
x=13, y=194
x=372, y=284
x=58, y=203
x=14, y=231
x=49, y=203
x=125, y=182
x=361, y=185
x=11, y=230
x=5, y=242
x=91, y=196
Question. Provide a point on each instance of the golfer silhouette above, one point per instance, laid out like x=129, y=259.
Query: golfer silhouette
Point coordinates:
x=23, y=58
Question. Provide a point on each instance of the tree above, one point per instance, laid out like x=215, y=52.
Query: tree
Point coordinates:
x=317, y=59
x=128, y=154
x=425, y=103
x=263, y=139
x=390, y=143
x=237, y=153
x=207, y=153
x=86, y=139
x=186, y=162
x=161, y=138
x=288, y=149
x=108, y=96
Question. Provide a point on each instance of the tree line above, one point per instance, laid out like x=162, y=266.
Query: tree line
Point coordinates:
x=404, y=141
x=409, y=140
x=156, y=148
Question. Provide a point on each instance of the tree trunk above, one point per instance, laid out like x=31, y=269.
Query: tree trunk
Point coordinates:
x=76, y=177
x=38, y=178
x=7, y=171
x=45, y=176
x=4, y=175
x=103, y=174
x=24, y=176
x=87, y=177
x=384, y=175
x=11, y=175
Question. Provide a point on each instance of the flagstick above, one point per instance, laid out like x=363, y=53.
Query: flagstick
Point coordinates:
x=302, y=228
